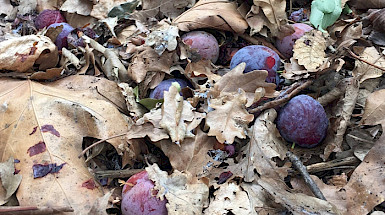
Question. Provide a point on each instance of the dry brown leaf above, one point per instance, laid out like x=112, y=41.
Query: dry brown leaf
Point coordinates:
x=149, y=61
x=359, y=4
x=9, y=180
x=81, y=7
x=201, y=68
x=364, y=70
x=21, y=53
x=175, y=113
x=215, y=14
x=163, y=36
x=185, y=194
x=6, y=8
x=230, y=198
x=229, y=119
x=249, y=82
x=309, y=50
x=102, y=7
x=269, y=13
x=57, y=117
x=374, y=112
x=294, y=71
x=101, y=204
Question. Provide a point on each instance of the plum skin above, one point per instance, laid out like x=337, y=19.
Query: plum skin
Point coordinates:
x=139, y=198
x=48, y=17
x=285, y=46
x=205, y=43
x=61, y=39
x=303, y=121
x=258, y=57
x=158, y=92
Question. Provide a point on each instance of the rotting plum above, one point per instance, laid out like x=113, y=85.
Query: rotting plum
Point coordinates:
x=258, y=57
x=285, y=46
x=303, y=121
x=48, y=17
x=61, y=39
x=139, y=198
x=75, y=39
x=158, y=92
x=205, y=44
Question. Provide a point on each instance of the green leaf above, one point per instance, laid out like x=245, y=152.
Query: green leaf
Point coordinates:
x=150, y=103
x=123, y=10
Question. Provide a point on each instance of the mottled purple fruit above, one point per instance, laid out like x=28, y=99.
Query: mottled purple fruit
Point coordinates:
x=75, y=39
x=139, y=197
x=258, y=57
x=48, y=17
x=204, y=43
x=61, y=39
x=285, y=46
x=158, y=92
x=303, y=121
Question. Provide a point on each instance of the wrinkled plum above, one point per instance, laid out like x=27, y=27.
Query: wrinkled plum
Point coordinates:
x=204, y=43
x=303, y=121
x=285, y=46
x=158, y=92
x=258, y=57
x=139, y=198
x=48, y=17
x=75, y=39
x=61, y=39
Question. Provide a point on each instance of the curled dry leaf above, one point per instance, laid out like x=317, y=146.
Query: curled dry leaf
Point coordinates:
x=229, y=119
x=9, y=180
x=363, y=5
x=366, y=71
x=374, y=111
x=77, y=6
x=51, y=121
x=101, y=8
x=175, y=113
x=294, y=71
x=309, y=50
x=249, y=82
x=185, y=194
x=163, y=37
x=21, y=53
x=215, y=14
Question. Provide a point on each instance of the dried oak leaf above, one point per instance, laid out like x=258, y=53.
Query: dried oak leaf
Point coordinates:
x=294, y=71
x=230, y=198
x=215, y=14
x=77, y=6
x=269, y=13
x=234, y=80
x=229, y=119
x=60, y=115
x=185, y=194
x=175, y=113
x=309, y=50
x=366, y=71
x=21, y=53
x=201, y=69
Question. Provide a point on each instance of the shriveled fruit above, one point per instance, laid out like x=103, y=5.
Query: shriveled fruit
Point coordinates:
x=303, y=121
x=258, y=57
x=158, y=92
x=204, y=43
x=285, y=46
x=139, y=198
x=61, y=39
x=48, y=17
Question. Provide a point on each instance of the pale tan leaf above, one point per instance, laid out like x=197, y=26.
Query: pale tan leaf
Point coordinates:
x=234, y=80
x=101, y=204
x=364, y=70
x=309, y=50
x=9, y=180
x=374, y=112
x=81, y=7
x=294, y=71
x=102, y=7
x=163, y=36
x=201, y=68
x=21, y=53
x=215, y=14
x=229, y=119
x=58, y=116
x=185, y=194
x=175, y=113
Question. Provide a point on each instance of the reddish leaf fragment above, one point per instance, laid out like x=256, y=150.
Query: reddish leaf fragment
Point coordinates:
x=16, y=171
x=37, y=149
x=34, y=130
x=224, y=176
x=89, y=184
x=51, y=129
x=41, y=170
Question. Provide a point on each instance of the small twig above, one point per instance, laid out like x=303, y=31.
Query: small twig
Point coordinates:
x=330, y=96
x=100, y=141
x=32, y=210
x=257, y=41
x=308, y=180
x=360, y=59
x=338, y=163
x=282, y=99
x=124, y=173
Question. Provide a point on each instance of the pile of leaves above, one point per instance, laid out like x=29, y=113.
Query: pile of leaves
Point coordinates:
x=75, y=123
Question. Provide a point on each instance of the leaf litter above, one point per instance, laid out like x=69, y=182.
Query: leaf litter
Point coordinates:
x=211, y=148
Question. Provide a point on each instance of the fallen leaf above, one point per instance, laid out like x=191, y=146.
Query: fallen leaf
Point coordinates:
x=101, y=8
x=9, y=180
x=77, y=6
x=67, y=115
x=163, y=37
x=101, y=204
x=366, y=71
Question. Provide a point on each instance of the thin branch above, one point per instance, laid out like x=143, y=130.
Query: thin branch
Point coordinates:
x=302, y=170
x=98, y=142
x=360, y=59
x=124, y=173
x=32, y=210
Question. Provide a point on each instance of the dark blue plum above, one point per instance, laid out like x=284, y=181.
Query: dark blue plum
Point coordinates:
x=61, y=39
x=158, y=92
x=303, y=121
x=258, y=57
